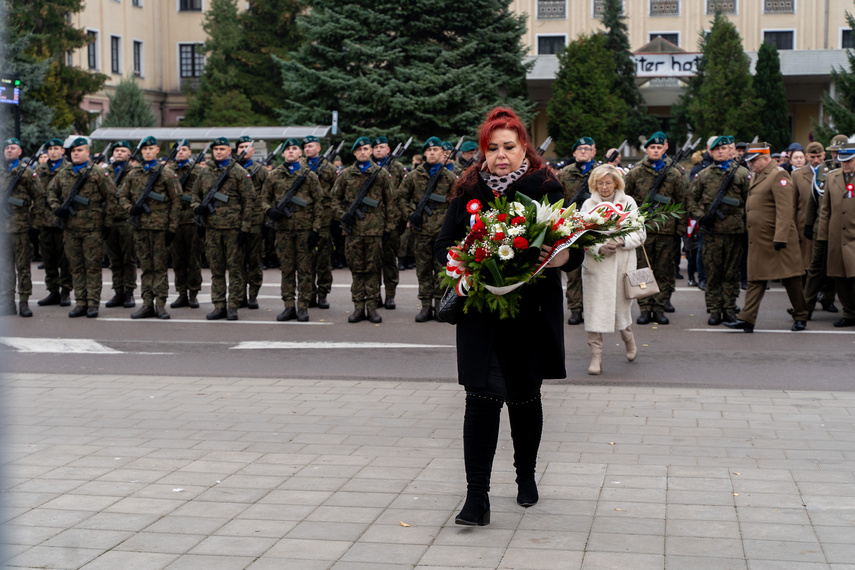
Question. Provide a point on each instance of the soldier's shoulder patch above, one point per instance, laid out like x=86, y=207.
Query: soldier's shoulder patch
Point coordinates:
x=783, y=181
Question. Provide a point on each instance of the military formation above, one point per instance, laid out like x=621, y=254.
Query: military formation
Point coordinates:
x=752, y=220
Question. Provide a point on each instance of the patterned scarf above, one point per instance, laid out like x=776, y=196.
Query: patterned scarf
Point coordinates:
x=499, y=184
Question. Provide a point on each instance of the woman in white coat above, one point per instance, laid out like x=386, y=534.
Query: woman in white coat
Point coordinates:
x=605, y=304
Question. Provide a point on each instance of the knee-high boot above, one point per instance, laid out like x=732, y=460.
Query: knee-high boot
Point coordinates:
x=526, y=428
x=629, y=342
x=595, y=342
x=480, y=437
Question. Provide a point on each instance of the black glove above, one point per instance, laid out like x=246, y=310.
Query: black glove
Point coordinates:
x=416, y=220
x=170, y=237
x=706, y=220
x=386, y=236
x=809, y=232
x=200, y=210
x=61, y=212
x=105, y=232
x=242, y=236
x=348, y=220
x=313, y=239
x=779, y=245
x=402, y=226
x=136, y=211
x=34, y=233
x=274, y=214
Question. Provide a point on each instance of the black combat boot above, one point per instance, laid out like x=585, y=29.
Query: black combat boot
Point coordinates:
x=192, y=302
x=52, y=299
x=644, y=317
x=92, y=311
x=425, y=314
x=287, y=315
x=252, y=302
x=302, y=315
x=130, y=302
x=78, y=311
x=669, y=308
x=64, y=298
x=575, y=318
x=160, y=312
x=322, y=302
x=480, y=436
x=118, y=300
x=526, y=426
x=373, y=316
x=144, y=312
x=231, y=314
x=217, y=314
x=358, y=315
x=660, y=317
x=389, y=305
x=24, y=309
x=715, y=319
x=181, y=302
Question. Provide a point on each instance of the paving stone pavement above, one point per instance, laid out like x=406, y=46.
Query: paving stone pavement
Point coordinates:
x=150, y=473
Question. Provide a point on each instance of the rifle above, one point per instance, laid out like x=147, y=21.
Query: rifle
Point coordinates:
x=716, y=206
x=123, y=170
x=73, y=196
x=148, y=191
x=284, y=206
x=472, y=160
x=544, y=146
x=267, y=160
x=214, y=193
x=187, y=198
x=616, y=153
x=356, y=207
x=422, y=208
x=8, y=200
x=653, y=194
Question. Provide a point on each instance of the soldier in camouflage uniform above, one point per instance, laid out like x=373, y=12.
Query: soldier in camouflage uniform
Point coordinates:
x=575, y=180
x=57, y=271
x=364, y=237
x=227, y=228
x=468, y=150
x=85, y=231
x=121, y=250
x=380, y=153
x=425, y=226
x=254, y=251
x=722, y=238
x=660, y=245
x=297, y=234
x=322, y=278
x=187, y=245
x=18, y=227
x=155, y=230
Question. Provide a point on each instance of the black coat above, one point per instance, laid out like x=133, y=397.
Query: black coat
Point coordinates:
x=530, y=347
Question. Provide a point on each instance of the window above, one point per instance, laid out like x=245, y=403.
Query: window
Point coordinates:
x=673, y=37
x=192, y=58
x=847, y=41
x=780, y=39
x=599, y=6
x=137, y=3
x=550, y=44
x=779, y=6
x=725, y=6
x=92, y=49
x=551, y=9
x=69, y=59
x=664, y=7
x=138, y=58
x=189, y=5
x=115, y=54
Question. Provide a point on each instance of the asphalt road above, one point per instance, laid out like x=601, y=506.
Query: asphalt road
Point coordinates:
x=686, y=352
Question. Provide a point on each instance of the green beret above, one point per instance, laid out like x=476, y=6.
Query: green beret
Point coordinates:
x=447, y=145
x=11, y=141
x=719, y=141
x=220, y=141
x=379, y=140
x=291, y=142
x=53, y=142
x=361, y=141
x=581, y=141
x=121, y=144
x=148, y=141
x=656, y=138
x=468, y=146
x=311, y=139
x=432, y=141
x=181, y=142
x=730, y=140
x=79, y=141
x=243, y=139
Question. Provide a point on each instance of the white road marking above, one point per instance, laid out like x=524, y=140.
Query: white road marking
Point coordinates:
x=808, y=331
x=265, y=344
x=58, y=345
x=108, y=284
x=272, y=321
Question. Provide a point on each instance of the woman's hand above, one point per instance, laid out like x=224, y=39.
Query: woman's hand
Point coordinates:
x=560, y=259
x=609, y=248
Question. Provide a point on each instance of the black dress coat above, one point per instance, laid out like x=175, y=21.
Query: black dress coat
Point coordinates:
x=529, y=347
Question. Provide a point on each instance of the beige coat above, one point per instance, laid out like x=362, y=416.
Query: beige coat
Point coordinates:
x=837, y=225
x=803, y=183
x=603, y=299
x=769, y=214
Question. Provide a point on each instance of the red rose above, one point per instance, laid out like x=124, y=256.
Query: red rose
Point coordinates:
x=480, y=254
x=499, y=236
x=502, y=218
x=479, y=225
x=518, y=221
x=520, y=242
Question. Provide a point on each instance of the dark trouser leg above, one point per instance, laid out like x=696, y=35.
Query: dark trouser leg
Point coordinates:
x=480, y=437
x=816, y=279
x=322, y=265
x=661, y=251
x=574, y=289
x=253, y=252
x=390, y=263
x=795, y=292
x=286, y=250
x=753, y=296
x=846, y=293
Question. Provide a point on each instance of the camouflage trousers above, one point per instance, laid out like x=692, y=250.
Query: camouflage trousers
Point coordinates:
x=661, y=249
x=574, y=289
x=428, y=270
x=295, y=259
x=390, y=262
x=57, y=272
x=17, y=257
x=816, y=280
x=153, y=255
x=253, y=267
x=224, y=253
x=406, y=247
x=363, y=254
x=722, y=254
x=322, y=265
x=85, y=250
x=122, y=255
x=187, y=259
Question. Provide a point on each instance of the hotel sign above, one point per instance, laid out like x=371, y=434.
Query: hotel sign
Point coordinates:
x=666, y=64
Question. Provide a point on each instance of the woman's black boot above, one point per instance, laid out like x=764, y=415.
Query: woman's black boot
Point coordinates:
x=480, y=436
x=526, y=427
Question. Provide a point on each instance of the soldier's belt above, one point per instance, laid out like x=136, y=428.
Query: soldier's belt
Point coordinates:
x=17, y=202
x=157, y=196
x=219, y=196
x=82, y=200
x=730, y=201
x=370, y=202
x=662, y=199
x=437, y=197
x=299, y=202
x=186, y=198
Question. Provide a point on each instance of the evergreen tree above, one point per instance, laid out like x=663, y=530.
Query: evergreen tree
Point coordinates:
x=129, y=107
x=682, y=122
x=637, y=122
x=769, y=85
x=584, y=102
x=839, y=112
x=406, y=68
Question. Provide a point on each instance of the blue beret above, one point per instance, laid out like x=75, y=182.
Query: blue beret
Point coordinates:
x=432, y=141
x=656, y=138
x=582, y=141
x=361, y=141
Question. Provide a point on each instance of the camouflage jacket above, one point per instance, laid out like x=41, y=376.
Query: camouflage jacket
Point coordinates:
x=703, y=191
x=185, y=215
x=307, y=205
x=98, y=193
x=399, y=174
x=326, y=176
x=23, y=204
x=572, y=179
x=639, y=181
x=258, y=178
x=378, y=219
x=111, y=171
x=413, y=189
x=163, y=200
x=42, y=214
x=234, y=213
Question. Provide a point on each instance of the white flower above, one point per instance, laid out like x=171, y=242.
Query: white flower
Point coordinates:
x=506, y=252
x=593, y=217
x=515, y=231
x=516, y=208
x=547, y=212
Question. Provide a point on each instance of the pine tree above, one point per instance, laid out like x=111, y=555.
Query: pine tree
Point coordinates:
x=769, y=85
x=839, y=111
x=584, y=102
x=682, y=123
x=129, y=107
x=406, y=68
x=637, y=122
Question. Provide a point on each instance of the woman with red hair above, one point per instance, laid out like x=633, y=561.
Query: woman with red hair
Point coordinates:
x=506, y=360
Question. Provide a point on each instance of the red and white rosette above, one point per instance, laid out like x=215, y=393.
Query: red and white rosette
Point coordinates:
x=454, y=269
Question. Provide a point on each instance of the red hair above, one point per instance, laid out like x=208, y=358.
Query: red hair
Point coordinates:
x=499, y=118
